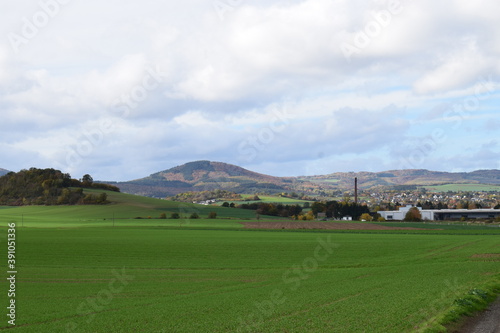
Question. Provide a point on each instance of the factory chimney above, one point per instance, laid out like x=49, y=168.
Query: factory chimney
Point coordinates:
x=356, y=190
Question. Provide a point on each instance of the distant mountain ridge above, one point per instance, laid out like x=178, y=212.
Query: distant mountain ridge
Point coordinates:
x=3, y=172
x=415, y=177
x=208, y=175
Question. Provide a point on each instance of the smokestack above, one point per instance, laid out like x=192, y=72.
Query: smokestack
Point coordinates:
x=356, y=190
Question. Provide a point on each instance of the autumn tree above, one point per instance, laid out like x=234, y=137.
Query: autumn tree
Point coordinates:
x=413, y=215
x=366, y=217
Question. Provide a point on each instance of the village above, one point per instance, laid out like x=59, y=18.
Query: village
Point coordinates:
x=386, y=200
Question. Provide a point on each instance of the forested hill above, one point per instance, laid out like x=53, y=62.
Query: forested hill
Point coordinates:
x=48, y=187
x=205, y=176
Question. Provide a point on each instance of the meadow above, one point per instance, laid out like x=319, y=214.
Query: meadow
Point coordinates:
x=464, y=188
x=271, y=199
x=78, y=273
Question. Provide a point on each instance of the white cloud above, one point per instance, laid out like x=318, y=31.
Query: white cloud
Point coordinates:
x=222, y=82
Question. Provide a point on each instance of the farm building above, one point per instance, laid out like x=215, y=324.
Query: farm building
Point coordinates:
x=441, y=214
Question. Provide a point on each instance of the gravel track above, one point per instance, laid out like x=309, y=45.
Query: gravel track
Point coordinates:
x=484, y=322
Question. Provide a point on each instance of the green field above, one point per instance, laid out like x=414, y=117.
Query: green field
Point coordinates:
x=464, y=188
x=272, y=199
x=77, y=273
x=125, y=210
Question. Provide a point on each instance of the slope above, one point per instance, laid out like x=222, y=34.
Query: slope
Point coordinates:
x=204, y=176
x=125, y=209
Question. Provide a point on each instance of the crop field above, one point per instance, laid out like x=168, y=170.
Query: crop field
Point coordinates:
x=215, y=276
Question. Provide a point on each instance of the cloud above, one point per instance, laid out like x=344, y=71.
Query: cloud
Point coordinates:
x=223, y=80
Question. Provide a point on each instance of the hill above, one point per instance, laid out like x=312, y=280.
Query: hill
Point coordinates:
x=395, y=178
x=48, y=187
x=3, y=172
x=126, y=210
x=207, y=176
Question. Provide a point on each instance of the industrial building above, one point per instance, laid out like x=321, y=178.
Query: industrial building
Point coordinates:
x=441, y=214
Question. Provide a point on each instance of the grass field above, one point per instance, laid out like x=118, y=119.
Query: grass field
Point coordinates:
x=464, y=188
x=214, y=276
x=125, y=210
x=273, y=199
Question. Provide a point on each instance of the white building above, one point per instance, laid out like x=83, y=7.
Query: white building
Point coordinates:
x=399, y=215
x=441, y=214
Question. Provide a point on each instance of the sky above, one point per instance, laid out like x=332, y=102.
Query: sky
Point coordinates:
x=123, y=89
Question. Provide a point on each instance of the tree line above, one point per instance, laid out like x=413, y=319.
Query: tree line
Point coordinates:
x=271, y=209
x=49, y=187
x=192, y=196
x=336, y=209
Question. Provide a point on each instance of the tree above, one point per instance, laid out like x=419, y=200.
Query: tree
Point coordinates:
x=175, y=216
x=102, y=199
x=225, y=204
x=163, y=216
x=194, y=216
x=87, y=180
x=413, y=215
x=212, y=215
x=318, y=207
x=346, y=199
x=366, y=217
x=309, y=215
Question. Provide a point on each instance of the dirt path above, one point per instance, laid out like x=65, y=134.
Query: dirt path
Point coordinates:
x=485, y=322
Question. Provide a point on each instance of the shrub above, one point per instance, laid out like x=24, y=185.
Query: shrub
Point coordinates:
x=175, y=216
x=381, y=219
x=194, y=216
x=212, y=215
x=163, y=216
x=366, y=217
